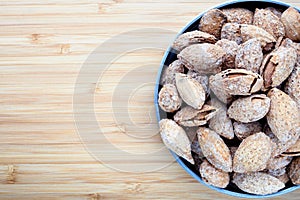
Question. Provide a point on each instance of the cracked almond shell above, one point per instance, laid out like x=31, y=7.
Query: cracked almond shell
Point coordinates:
x=234, y=82
x=190, y=117
x=190, y=90
x=249, y=109
x=257, y=183
x=212, y=22
x=169, y=99
x=290, y=19
x=209, y=62
x=213, y=176
x=192, y=37
x=221, y=123
x=268, y=21
x=175, y=139
x=214, y=149
x=249, y=56
x=283, y=117
x=277, y=66
x=252, y=154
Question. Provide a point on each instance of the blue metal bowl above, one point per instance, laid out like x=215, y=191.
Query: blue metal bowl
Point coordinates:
x=170, y=56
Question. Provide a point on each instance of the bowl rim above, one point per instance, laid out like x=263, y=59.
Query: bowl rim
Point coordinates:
x=157, y=84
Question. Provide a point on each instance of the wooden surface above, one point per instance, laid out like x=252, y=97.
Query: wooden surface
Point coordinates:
x=43, y=46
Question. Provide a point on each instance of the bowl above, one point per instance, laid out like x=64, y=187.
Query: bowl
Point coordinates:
x=170, y=56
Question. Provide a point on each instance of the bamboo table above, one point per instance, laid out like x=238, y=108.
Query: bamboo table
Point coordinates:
x=48, y=148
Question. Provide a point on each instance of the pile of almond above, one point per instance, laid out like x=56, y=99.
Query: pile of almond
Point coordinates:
x=233, y=99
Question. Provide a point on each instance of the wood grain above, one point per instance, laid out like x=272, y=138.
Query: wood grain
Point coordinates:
x=43, y=46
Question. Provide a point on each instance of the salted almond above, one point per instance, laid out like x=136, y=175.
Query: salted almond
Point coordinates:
x=244, y=130
x=249, y=56
x=290, y=19
x=277, y=66
x=175, y=139
x=209, y=62
x=292, y=86
x=221, y=123
x=283, y=117
x=231, y=49
x=214, y=149
x=268, y=21
x=278, y=162
x=169, y=99
x=190, y=117
x=294, y=148
x=232, y=32
x=280, y=147
x=249, y=109
x=257, y=183
x=202, y=79
x=212, y=21
x=190, y=90
x=234, y=82
x=192, y=37
x=213, y=176
x=168, y=74
x=294, y=171
x=248, y=32
x=238, y=15
x=252, y=154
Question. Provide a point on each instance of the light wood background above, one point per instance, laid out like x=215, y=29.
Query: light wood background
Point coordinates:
x=43, y=45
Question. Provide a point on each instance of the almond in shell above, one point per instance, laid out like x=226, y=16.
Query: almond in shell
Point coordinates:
x=202, y=79
x=249, y=109
x=168, y=75
x=277, y=66
x=209, y=62
x=234, y=82
x=221, y=123
x=278, y=162
x=280, y=147
x=252, y=154
x=257, y=183
x=268, y=21
x=244, y=130
x=290, y=19
x=214, y=149
x=283, y=117
x=213, y=176
x=231, y=49
x=294, y=171
x=292, y=86
x=267, y=40
x=175, y=138
x=212, y=22
x=238, y=15
x=232, y=32
x=193, y=37
x=190, y=117
x=249, y=56
x=190, y=90
x=169, y=99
